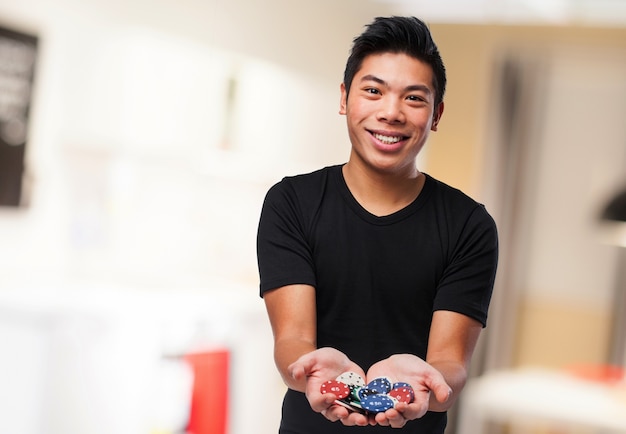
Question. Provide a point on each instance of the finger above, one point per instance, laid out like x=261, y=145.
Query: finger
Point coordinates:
x=335, y=413
x=296, y=371
x=442, y=392
x=321, y=402
x=372, y=419
x=392, y=418
x=415, y=410
x=438, y=386
x=355, y=419
x=381, y=419
x=301, y=367
x=395, y=418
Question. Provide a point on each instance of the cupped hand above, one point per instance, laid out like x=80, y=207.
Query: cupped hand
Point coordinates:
x=421, y=376
x=318, y=367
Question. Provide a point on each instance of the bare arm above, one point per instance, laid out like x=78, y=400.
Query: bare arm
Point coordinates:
x=292, y=314
x=451, y=343
x=303, y=367
x=438, y=380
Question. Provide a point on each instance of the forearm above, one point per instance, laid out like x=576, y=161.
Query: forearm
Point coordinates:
x=287, y=351
x=455, y=374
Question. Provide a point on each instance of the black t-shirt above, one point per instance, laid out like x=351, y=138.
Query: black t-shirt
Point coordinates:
x=377, y=279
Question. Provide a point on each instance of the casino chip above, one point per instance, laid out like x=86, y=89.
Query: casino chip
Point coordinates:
x=377, y=396
x=352, y=406
x=377, y=403
x=339, y=389
x=402, y=394
x=351, y=379
x=364, y=392
x=380, y=385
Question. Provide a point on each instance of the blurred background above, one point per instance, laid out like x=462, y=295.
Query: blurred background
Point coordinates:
x=137, y=141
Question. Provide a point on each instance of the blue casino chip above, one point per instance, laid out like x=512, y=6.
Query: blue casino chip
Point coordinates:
x=377, y=403
x=380, y=385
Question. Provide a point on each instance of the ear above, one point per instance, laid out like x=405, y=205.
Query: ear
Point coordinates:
x=437, y=116
x=343, y=103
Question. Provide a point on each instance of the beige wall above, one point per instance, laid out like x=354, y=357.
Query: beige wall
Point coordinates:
x=552, y=329
x=457, y=151
x=554, y=334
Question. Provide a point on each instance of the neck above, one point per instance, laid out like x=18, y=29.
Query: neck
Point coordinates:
x=383, y=193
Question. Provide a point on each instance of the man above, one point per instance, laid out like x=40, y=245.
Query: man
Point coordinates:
x=374, y=267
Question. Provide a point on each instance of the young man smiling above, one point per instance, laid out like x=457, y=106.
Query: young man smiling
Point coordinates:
x=373, y=266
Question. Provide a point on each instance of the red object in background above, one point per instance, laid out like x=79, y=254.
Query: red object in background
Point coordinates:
x=608, y=374
x=209, y=401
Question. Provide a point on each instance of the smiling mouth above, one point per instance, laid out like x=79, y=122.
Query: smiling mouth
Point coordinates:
x=389, y=140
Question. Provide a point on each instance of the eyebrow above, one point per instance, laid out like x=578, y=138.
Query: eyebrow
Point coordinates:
x=410, y=88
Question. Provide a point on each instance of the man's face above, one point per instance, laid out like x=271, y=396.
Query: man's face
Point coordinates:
x=390, y=111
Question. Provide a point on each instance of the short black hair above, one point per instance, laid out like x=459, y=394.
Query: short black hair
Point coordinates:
x=408, y=35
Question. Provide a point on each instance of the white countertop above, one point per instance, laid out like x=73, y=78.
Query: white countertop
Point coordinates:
x=542, y=396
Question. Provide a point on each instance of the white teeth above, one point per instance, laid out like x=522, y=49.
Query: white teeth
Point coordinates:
x=387, y=139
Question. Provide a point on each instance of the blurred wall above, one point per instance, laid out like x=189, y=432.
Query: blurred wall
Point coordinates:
x=553, y=301
x=158, y=127
x=135, y=106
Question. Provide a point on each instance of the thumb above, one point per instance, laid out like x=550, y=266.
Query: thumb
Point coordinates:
x=301, y=367
x=296, y=371
x=442, y=392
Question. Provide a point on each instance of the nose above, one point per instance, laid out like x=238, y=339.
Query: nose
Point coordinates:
x=391, y=111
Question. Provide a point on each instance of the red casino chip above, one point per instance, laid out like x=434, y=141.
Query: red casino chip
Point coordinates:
x=402, y=394
x=337, y=388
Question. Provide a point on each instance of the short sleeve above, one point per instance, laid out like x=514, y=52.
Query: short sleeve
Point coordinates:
x=284, y=256
x=467, y=283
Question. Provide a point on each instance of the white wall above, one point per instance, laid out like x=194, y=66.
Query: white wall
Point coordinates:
x=139, y=227
x=128, y=129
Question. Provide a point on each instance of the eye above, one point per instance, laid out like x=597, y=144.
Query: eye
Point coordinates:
x=416, y=98
x=372, y=90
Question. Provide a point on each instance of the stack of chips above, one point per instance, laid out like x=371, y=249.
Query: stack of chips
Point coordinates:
x=377, y=396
